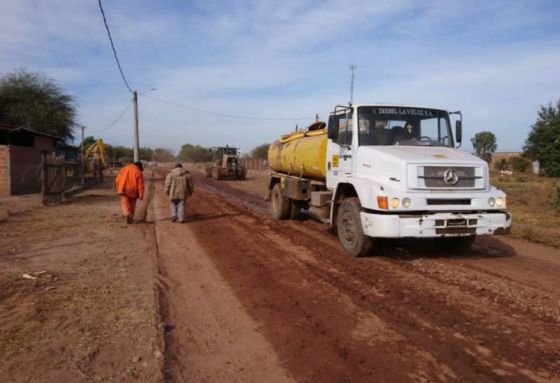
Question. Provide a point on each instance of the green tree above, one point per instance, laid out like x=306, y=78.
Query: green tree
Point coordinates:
x=33, y=101
x=543, y=142
x=260, y=152
x=192, y=153
x=145, y=154
x=88, y=141
x=109, y=149
x=484, y=144
x=120, y=154
x=163, y=155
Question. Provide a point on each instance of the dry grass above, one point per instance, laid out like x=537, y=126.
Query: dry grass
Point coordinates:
x=529, y=196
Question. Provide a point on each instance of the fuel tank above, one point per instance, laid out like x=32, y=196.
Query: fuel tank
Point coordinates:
x=301, y=154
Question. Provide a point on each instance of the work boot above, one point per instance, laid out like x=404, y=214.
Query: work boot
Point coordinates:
x=173, y=219
x=129, y=219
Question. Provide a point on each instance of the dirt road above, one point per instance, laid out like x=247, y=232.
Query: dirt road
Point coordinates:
x=252, y=299
x=234, y=296
x=76, y=293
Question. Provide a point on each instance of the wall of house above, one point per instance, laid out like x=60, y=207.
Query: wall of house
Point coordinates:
x=20, y=166
x=4, y=170
x=44, y=144
x=25, y=167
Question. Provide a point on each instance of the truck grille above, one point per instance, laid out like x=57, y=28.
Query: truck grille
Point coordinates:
x=456, y=226
x=449, y=176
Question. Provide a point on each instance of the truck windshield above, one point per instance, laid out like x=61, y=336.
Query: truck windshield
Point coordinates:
x=388, y=125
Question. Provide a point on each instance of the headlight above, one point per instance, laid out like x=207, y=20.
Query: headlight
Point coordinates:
x=406, y=202
x=491, y=201
x=395, y=203
x=500, y=202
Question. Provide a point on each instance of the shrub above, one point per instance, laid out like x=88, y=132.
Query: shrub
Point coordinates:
x=502, y=164
x=520, y=164
x=555, y=196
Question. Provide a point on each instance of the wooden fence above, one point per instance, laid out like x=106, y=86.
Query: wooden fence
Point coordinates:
x=52, y=179
x=254, y=165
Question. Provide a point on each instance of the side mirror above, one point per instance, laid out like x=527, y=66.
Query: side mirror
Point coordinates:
x=459, y=131
x=332, y=130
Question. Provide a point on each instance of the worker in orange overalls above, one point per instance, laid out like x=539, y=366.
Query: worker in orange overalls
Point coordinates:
x=130, y=186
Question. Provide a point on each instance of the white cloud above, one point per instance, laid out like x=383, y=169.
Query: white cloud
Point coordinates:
x=283, y=59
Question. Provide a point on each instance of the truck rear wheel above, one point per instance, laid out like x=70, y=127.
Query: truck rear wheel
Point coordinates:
x=349, y=228
x=280, y=204
x=456, y=244
x=295, y=209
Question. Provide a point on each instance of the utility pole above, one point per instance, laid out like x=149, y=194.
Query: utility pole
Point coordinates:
x=352, y=74
x=136, y=139
x=83, y=162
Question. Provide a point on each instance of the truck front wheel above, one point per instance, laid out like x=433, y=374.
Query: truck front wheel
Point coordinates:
x=216, y=173
x=349, y=228
x=242, y=174
x=280, y=203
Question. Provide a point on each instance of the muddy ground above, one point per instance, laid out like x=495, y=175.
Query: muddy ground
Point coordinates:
x=242, y=298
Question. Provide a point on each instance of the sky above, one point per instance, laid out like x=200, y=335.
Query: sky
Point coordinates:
x=273, y=65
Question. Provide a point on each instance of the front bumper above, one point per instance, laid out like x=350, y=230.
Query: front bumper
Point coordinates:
x=433, y=225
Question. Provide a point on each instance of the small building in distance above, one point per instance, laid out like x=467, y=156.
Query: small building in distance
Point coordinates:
x=20, y=159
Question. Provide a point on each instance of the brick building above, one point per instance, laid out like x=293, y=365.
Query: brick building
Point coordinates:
x=20, y=159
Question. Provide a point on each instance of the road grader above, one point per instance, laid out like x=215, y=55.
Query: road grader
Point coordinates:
x=225, y=164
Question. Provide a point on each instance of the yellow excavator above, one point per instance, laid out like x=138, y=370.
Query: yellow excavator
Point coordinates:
x=96, y=159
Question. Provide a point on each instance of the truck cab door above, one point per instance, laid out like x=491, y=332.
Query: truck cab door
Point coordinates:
x=339, y=148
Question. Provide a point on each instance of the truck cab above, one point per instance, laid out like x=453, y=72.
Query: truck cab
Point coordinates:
x=394, y=172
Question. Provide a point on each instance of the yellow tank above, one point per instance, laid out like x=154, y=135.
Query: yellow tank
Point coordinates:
x=301, y=154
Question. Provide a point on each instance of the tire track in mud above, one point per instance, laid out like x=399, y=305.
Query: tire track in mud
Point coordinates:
x=539, y=299
x=404, y=253
x=480, y=336
x=478, y=281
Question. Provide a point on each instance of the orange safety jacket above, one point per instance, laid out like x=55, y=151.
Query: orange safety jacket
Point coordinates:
x=130, y=182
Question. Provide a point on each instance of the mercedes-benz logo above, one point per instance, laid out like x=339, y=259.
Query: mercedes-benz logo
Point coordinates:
x=450, y=177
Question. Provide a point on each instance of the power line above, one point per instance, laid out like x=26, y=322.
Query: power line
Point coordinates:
x=113, y=46
x=229, y=115
x=115, y=121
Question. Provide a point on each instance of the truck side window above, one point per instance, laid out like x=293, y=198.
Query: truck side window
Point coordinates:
x=344, y=129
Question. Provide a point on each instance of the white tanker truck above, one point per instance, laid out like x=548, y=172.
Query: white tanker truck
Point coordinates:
x=386, y=171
